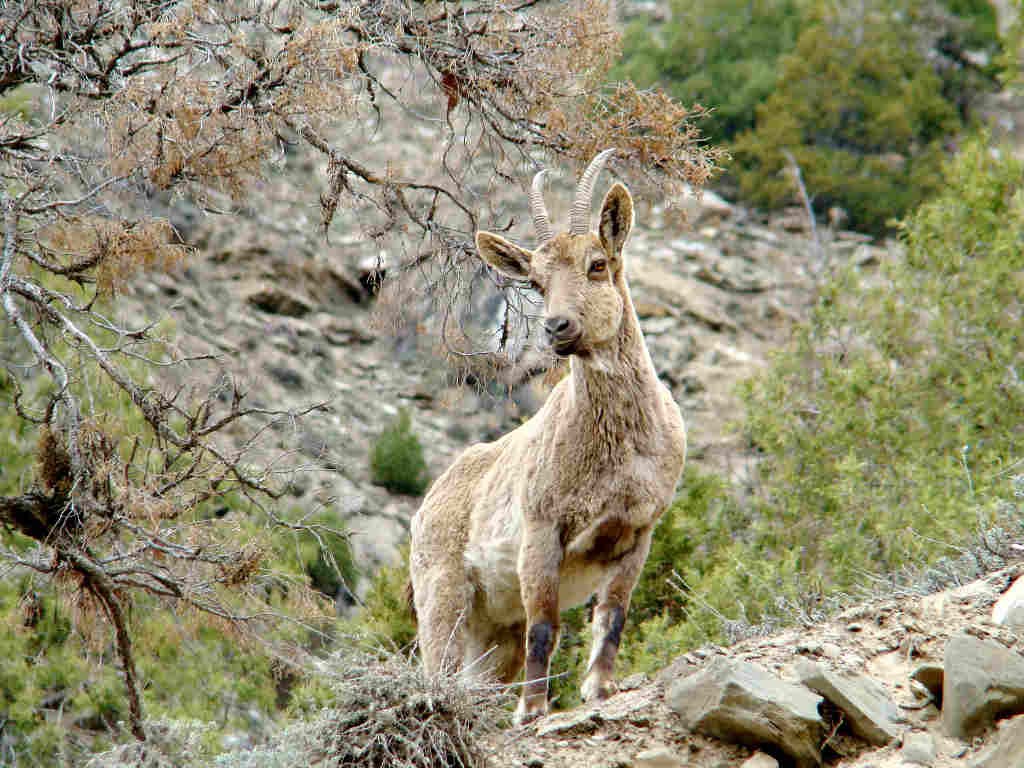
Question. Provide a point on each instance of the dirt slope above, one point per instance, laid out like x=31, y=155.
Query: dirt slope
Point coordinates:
x=885, y=639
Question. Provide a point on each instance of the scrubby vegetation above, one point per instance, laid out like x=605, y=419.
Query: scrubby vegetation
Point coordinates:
x=371, y=709
x=899, y=405
x=890, y=429
x=865, y=101
x=396, y=460
x=724, y=55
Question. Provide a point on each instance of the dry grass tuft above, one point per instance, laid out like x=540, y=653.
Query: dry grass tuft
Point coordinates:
x=387, y=713
x=390, y=713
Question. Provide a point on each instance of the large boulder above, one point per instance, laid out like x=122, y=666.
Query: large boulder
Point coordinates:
x=983, y=681
x=872, y=714
x=743, y=703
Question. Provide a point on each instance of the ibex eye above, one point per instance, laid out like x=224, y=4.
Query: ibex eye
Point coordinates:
x=598, y=267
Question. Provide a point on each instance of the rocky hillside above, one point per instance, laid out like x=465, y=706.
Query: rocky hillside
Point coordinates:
x=297, y=319
x=935, y=681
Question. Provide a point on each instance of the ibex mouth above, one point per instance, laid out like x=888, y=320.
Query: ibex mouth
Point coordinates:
x=565, y=347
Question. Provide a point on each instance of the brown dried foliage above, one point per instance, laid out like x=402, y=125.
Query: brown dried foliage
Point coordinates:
x=135, y=102
x=116, y=249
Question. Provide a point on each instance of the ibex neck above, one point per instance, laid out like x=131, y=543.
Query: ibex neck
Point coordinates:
x=617, y=387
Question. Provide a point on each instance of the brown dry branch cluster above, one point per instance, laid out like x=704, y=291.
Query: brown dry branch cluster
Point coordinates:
x=108, y=105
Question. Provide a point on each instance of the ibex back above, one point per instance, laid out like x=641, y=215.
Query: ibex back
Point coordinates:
x=563, y=507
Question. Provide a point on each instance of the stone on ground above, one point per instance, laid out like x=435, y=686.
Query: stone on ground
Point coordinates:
x=918, y=749
x=658, y=757
x=1009, y=608
x=743, y=703
x=983, y=681
x=760, y=760
x=872, y=714
x=278, y=301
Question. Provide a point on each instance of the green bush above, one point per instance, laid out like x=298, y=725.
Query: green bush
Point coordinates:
x=863, y=99
x=396, y=460
x=386, y=613
x=328, y=558
x=894, y=420
x=862, y=114
x=723, y=55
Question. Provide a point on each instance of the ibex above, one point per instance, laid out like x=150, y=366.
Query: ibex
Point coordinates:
x=563, y=507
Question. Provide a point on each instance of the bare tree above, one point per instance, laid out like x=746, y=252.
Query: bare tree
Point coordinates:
x=136, y=100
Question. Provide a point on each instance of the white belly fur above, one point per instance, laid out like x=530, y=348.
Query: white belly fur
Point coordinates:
x=492, y=565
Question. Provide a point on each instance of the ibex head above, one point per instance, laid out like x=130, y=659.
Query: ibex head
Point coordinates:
x=580, y=273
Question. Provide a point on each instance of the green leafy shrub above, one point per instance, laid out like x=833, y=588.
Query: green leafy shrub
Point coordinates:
x=862, y=114
x=723, y=55
x=862, y=99
x=396, y=460
x=328, y=559
x=894, y=420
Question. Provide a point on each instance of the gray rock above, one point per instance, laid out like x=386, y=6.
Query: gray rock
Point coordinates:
x=278, y=301
x=983, y=681
x=286, y=377
x=1008, y=750
x=872, y=714
x=633, y=682
x=740, y=702
x=658, y=757
x=1009, y=608
x=576, y=722
x=760, y=760
x=918, y=749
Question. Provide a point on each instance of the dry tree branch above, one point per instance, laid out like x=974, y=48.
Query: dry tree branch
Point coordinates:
x=135, y=103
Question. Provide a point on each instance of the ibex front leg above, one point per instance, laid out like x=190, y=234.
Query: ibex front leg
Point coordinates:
x=539, y=561
x=610, y=618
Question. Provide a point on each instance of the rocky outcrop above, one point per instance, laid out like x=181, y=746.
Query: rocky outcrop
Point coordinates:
x=711, y=705
x=658, y=757
x=1008, y=750
x=871, y=712
x=918, y=749
x=743, y=703
x=983, y=681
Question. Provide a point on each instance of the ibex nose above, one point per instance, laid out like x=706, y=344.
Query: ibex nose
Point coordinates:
x=557, y=327
x=563, y=334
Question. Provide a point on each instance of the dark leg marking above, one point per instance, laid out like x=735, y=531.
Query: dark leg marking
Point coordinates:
x=539, y=643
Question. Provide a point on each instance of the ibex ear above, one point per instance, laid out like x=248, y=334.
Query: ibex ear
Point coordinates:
x=616, y=219
x=506, y=257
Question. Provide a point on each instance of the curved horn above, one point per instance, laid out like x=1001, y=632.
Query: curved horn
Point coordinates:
x=579, y=214
x=541, y=222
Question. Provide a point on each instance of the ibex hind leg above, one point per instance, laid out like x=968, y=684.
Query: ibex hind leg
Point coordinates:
x=441, y=601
